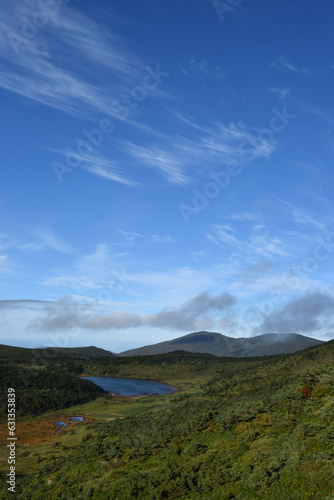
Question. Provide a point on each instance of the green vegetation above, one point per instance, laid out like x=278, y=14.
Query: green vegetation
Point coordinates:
x=239, y=428
x=10, y=354
x=37, y=391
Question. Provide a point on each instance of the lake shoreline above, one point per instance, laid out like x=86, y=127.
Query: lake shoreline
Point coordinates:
x=83, y=375
x=116, y=391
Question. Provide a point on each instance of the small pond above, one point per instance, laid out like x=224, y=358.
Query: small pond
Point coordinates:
x=60, y=424
x=131, y=386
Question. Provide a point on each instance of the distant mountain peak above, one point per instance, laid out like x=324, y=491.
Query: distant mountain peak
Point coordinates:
x=215, y=343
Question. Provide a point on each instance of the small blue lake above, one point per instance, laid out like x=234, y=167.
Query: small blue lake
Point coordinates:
x=131, y=386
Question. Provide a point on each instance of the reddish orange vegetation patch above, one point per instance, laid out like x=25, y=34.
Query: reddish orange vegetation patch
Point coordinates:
x=41, y=431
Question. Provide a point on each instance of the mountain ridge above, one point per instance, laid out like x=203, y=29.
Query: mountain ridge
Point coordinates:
x=215, y=343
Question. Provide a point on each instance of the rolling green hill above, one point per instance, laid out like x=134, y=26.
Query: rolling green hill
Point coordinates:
x=10, y=354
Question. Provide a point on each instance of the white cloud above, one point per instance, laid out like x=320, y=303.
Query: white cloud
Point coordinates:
x=186, y=317
x=161, y=239
x=307, y=314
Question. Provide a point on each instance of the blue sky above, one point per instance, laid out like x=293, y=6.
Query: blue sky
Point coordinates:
x=166, y=167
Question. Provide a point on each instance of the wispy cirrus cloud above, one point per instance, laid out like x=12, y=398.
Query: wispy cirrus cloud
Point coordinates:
x=51, y=68
x=203, y=147
x=282, y=262
x=200, y=68
x=283, y=64
x=132, y=238
x=104, y=270
x=4, y=268
x=94, y=162
x=79, y=283
x=238, y=141
x=232, y=141
x=304, y=217
x=243, y=216
x=260, y=242
x=155, y=238
x=91, y=272
x=313, y=111
x=49, y=239
x=35, y=238
x=159, y=158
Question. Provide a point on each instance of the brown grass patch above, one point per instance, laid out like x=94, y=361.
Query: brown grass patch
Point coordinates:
x=40, y=431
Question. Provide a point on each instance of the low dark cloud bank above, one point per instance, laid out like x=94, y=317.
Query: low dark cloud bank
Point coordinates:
x=184, y=318
x=305, y=314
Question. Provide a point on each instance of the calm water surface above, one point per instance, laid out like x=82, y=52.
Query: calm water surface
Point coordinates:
x=131, y=386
